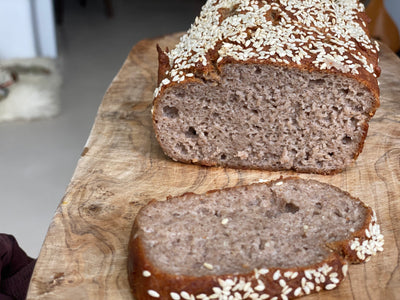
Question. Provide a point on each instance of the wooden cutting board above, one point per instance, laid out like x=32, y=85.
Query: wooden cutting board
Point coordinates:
x=84, y=255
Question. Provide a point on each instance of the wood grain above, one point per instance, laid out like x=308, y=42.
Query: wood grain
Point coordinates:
x=122, y=167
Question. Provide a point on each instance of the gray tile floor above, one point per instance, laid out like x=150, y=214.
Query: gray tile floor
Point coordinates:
x=37, y=159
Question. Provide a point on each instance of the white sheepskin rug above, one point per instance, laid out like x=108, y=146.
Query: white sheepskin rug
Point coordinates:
x=35, y=95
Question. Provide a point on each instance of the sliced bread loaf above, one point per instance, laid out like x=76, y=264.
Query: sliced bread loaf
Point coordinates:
x=269, y=85
x=274, y=240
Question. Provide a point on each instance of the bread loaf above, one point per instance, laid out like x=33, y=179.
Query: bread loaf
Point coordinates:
x=274, y=240
x=273, y=85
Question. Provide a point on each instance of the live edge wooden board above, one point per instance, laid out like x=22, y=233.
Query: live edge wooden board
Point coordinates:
x=84, y=255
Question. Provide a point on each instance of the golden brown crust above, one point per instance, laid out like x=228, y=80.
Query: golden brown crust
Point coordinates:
x=149, y=282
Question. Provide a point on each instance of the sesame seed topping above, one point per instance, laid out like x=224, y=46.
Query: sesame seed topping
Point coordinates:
x=308, y=275
x=279, y=183
x=276, y=275
x=263, y=271
x=175, y=296
x=282, y=283
x=288, y=274
x=185, y=295
x=344, y=269
x=146, y=273
x=208, y=266
x=334, y=280
x=153, y=294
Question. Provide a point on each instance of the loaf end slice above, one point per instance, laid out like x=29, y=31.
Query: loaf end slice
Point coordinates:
x=282, y=239
x=272, y=85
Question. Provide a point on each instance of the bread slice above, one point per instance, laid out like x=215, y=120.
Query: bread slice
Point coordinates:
x=271, y=85
x=274, y=240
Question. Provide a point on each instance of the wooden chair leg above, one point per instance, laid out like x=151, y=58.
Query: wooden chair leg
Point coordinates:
x=109, y=8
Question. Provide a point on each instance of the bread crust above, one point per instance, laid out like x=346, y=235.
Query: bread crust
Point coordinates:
x=149, y=282
x=181, y=67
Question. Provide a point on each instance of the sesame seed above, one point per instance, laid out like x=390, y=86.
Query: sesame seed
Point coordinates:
x=306, y=289
x=330, y=286
x=279, y=183
x=165, y=81
x=185, y=295
x=175, y=296
x=146, y=273
x=308, y=275
x=282, y=283
x=263, y=271
x=334, y=280
x=288, y=274
x=208, y=266
x=333, y=274
x=153, y=294
x=224, y=221
x=276, y=275
x=297, y=292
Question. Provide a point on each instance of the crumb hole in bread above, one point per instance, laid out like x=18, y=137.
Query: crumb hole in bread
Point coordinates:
x=171, y=112
x=318, y=205
x=338, y=213
x=217, y=213
x=315, y=82
x=223, y=156
x=291, y=208
x=191, y=133
x=257, y=70
x=346, y=140
x=345, y=91
x=181, y=148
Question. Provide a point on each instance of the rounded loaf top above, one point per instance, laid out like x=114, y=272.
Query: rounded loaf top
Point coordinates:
x=326, y=35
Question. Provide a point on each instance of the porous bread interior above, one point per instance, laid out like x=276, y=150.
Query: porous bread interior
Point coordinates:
x=266, y=117
x=249, y=227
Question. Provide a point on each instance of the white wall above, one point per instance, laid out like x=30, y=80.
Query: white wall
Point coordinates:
x=27, y=29
x=44, y=27
x=16, y=30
